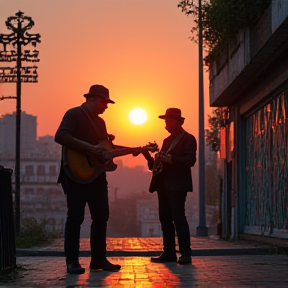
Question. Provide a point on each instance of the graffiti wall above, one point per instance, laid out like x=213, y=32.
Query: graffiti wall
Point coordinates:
x=266, y=168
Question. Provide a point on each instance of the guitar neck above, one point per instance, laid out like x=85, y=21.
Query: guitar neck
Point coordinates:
x=122, y=152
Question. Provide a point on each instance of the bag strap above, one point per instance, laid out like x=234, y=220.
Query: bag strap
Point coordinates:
x=91, y=121
x=175, y=141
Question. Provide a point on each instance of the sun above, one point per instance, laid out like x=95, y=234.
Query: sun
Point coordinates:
x=138, y=116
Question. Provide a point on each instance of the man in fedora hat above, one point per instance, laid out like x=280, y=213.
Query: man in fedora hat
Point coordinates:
x=81, y=130
x=172, y=180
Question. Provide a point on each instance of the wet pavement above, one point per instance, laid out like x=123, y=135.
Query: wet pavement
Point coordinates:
x=150, y=246
x=216, y=263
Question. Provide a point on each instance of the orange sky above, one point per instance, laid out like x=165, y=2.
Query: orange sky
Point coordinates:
x=139, y=49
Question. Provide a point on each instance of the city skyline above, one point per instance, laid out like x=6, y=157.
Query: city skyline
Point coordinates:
x=146, y=62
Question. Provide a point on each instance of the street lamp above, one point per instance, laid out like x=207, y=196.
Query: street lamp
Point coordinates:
x=19, y=24
x=202, y=229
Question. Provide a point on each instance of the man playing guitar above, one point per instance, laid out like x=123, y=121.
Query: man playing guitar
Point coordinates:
x=172, y=180
x=87, y=153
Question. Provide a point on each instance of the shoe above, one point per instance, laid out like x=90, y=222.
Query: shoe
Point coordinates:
x=104, y=265
x=75, y=268
x=184, y=259
x=164, y=257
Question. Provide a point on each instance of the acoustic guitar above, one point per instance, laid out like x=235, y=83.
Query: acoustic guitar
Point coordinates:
x=158, y=165
x=86, y=168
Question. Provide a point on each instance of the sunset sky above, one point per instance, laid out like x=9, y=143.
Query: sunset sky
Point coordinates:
x=139, y=49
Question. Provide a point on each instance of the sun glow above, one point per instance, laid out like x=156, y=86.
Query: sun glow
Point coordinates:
x=138, y=116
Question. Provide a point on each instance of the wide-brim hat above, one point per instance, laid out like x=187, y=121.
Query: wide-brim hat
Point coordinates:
x=173, y=113
x=99, y=91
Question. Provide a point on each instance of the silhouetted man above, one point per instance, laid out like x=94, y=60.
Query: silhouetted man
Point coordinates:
x=172, y=180
x=79, y=133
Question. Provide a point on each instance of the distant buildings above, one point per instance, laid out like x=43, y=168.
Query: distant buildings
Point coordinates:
x=8, y=132
x=147, y=215
x=40, y=195
x=133, y=210
x=29, y=142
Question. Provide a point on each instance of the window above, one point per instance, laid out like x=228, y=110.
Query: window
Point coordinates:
x=28, y=192
x=41, y=170
x=52, y=170
x=39, y=191
x=29, y=170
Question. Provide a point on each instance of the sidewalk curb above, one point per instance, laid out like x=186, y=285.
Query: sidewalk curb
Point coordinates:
x=120, y=253
x=281, y=244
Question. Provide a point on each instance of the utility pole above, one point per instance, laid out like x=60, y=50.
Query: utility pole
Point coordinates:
x=202, y=229
x=19, y=24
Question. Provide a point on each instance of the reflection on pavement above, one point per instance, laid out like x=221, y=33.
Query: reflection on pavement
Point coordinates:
x=135, y=272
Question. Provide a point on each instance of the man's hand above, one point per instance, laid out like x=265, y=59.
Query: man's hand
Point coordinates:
x=111, y=137
x=167, y=159
x=136, y=152
x=146, y=154
x=96, y=157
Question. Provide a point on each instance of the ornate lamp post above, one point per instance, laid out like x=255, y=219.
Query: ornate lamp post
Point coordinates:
x=19, y=24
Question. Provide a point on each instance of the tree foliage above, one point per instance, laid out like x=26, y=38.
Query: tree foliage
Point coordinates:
x=221, y=20
x=212, y=134
x=33, y=233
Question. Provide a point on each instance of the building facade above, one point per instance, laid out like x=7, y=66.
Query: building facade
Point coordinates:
x=28, y=133
x=250, y=83
x=40, y=195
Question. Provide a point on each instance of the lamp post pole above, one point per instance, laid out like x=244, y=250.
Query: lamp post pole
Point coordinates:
x=202, y=229
x=19, y=24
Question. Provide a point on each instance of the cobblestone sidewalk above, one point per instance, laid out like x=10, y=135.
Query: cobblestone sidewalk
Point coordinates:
x=210, y=272
x=129, y=246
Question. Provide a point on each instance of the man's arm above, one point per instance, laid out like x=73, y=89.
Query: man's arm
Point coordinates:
x=65, y=135
x=189, y=148
x=149, y=158
x=64, y=138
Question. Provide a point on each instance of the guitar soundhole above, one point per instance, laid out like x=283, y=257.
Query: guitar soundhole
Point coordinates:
x=101, y=159
x=96, y=159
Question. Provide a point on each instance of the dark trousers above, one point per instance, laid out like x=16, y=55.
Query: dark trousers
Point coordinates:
x=95, y=194
x=172, y=217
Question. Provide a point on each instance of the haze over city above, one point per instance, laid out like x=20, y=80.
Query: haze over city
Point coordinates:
x=140, y=50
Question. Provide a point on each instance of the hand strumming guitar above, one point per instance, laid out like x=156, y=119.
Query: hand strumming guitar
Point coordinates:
x=146, y=154
x=167, y=159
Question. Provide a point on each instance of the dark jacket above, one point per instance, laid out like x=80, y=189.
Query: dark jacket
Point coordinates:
x=176, y=177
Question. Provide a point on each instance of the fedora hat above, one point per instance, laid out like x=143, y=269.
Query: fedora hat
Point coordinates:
x=99, y=91
x=174, y=113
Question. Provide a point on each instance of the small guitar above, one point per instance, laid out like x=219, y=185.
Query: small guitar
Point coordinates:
x=158, y=165
x=86, y=168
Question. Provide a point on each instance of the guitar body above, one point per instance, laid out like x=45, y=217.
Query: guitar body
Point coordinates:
x=79, y=168
x=158, y=166
x=86, y=168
